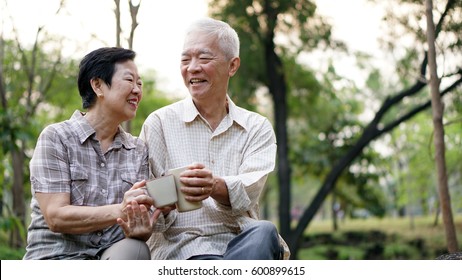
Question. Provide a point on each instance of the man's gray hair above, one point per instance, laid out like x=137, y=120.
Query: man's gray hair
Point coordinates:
x=228, y=39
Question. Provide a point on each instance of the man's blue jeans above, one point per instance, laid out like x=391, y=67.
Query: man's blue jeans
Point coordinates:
x=258, y=241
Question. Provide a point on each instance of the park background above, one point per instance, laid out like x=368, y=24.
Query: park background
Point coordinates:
x=345, y=84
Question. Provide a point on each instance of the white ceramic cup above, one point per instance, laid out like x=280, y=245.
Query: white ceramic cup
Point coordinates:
x=182, y=204
x=162, y=190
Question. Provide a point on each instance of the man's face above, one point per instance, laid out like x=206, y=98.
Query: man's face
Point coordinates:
x=204, y=67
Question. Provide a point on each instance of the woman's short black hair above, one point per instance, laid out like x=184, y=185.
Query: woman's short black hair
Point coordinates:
x=99, y=63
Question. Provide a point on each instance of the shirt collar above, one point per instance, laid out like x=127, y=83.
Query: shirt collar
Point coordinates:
x=84, y=131
x=191, y=112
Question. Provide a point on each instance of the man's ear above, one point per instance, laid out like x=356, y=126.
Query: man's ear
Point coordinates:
x=234, y=65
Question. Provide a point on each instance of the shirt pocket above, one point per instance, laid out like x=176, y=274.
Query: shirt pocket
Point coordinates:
x=128, y=176
x=79, y=182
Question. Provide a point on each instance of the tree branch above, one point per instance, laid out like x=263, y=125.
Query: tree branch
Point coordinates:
x=370, y=133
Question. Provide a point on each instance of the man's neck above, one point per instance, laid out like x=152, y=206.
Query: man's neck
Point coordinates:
x=214, y=112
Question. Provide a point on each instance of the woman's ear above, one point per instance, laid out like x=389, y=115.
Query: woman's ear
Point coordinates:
x=96, y=84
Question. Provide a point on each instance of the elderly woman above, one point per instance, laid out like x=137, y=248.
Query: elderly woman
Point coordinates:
x=87, y=173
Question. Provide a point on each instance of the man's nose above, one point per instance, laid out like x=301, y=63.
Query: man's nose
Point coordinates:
x=194, y=65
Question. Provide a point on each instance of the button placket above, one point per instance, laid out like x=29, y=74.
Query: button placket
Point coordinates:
x=103, y=177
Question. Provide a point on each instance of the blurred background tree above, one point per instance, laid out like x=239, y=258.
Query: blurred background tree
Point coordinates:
x=346, y=150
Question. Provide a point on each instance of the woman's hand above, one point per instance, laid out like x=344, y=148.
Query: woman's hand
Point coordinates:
x=166, y=209
x=139, y=194
x=139, y=222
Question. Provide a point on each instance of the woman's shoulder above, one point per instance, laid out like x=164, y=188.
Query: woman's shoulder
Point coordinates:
x=63, y=129
x=131, y=141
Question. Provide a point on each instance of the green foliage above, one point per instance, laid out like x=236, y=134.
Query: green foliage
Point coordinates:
x=405, y=19
x=7, y=253
x=409, y=22
x=382, y=239
x=413, y=176
x=372, y=199
x=10, y=223
x=12, y=130
x=33, y=81
x=37, y=84
x=400, y=251
x=152, y=100
x=62, y=97
x=408, y=170
x=326, y=124
x=332, y=252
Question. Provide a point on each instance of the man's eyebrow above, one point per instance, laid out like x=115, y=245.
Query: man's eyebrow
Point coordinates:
x=205, y=51
x=200, y=51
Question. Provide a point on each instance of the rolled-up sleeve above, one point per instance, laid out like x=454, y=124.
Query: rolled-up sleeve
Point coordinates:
x=258, y=161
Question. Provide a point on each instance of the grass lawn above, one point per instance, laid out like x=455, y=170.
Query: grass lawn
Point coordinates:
x=372, y=238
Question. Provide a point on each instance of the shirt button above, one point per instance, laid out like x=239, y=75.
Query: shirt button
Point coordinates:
x=102, y=164
x=103, y=191
x=213, y=161
x=99, y=233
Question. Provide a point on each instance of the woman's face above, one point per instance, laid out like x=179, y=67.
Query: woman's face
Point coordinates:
x=121, y=100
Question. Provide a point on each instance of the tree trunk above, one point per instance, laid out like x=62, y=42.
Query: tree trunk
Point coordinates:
x=4, y=102
x=278, y=90
x=118, y=27
x=334, y=208
x=437, y=214
x=127, y=125
x=19, y=207
x=133, y=14
x=437, y=108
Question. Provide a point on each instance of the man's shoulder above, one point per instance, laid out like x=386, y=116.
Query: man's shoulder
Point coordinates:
x=246, y=112
x=245, y=116
x=173, y=108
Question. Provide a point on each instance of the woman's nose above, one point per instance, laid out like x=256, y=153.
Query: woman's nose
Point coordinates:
x=137, y=88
